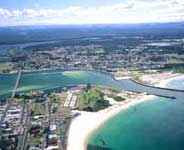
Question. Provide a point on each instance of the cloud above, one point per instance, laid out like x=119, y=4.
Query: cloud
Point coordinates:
x=9, y=13
x=133, y=11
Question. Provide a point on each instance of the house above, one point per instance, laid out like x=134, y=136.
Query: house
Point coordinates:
x=52, y=128
x=52, y=140
x=52, y=148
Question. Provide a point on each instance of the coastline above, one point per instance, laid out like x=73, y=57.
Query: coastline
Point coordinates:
x=87, y=122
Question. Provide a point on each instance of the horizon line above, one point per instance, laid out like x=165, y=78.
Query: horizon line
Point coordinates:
x=91, y=24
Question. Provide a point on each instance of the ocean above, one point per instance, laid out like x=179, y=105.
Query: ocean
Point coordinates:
x=154, y=125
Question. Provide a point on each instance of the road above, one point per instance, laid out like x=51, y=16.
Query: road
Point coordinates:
x=16, y=84
x=26, y=126
x=10, y=100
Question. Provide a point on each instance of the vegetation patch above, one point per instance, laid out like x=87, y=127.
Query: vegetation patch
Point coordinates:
x=178, y=69
x=175, y=69
x=38, y=108
x=117, y=98
x=137, y=76
x=5, y=67
x=92, y=100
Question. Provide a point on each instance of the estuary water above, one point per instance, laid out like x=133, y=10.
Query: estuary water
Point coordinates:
x=154, y=125
x=44, y=80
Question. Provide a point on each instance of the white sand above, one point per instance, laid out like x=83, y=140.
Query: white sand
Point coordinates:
x=83, y=125
x=165, y=82
x=122, y=78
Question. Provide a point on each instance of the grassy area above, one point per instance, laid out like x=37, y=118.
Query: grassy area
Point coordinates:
x=92, y=100
x=178, y=69
x=39, y=108
x=36, y=140
x=137, y=76
x=118, y=98
x=175, y=67
x=5, y=66
x=54, y=98
x=115, y=97
x=115, y=91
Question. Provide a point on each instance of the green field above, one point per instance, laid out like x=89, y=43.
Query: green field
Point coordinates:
x=92, y=100
x=5, y=66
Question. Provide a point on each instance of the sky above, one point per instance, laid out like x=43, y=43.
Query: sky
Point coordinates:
x=46, y=12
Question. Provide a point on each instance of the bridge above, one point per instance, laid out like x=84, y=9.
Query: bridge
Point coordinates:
x=16, y=84
x=10, y=100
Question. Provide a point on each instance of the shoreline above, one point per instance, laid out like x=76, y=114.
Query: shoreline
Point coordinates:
x=56, y=69
x=83, y=126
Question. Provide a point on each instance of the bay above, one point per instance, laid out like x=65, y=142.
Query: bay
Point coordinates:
x=154, y=125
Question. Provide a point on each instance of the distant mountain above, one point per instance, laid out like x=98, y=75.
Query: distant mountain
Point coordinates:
x=23, y=34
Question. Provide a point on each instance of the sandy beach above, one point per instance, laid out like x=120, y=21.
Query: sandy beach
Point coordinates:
x=87, y=122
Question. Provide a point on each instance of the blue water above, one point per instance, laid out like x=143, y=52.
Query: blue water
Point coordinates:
x=62, y=78
x=153, y=125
